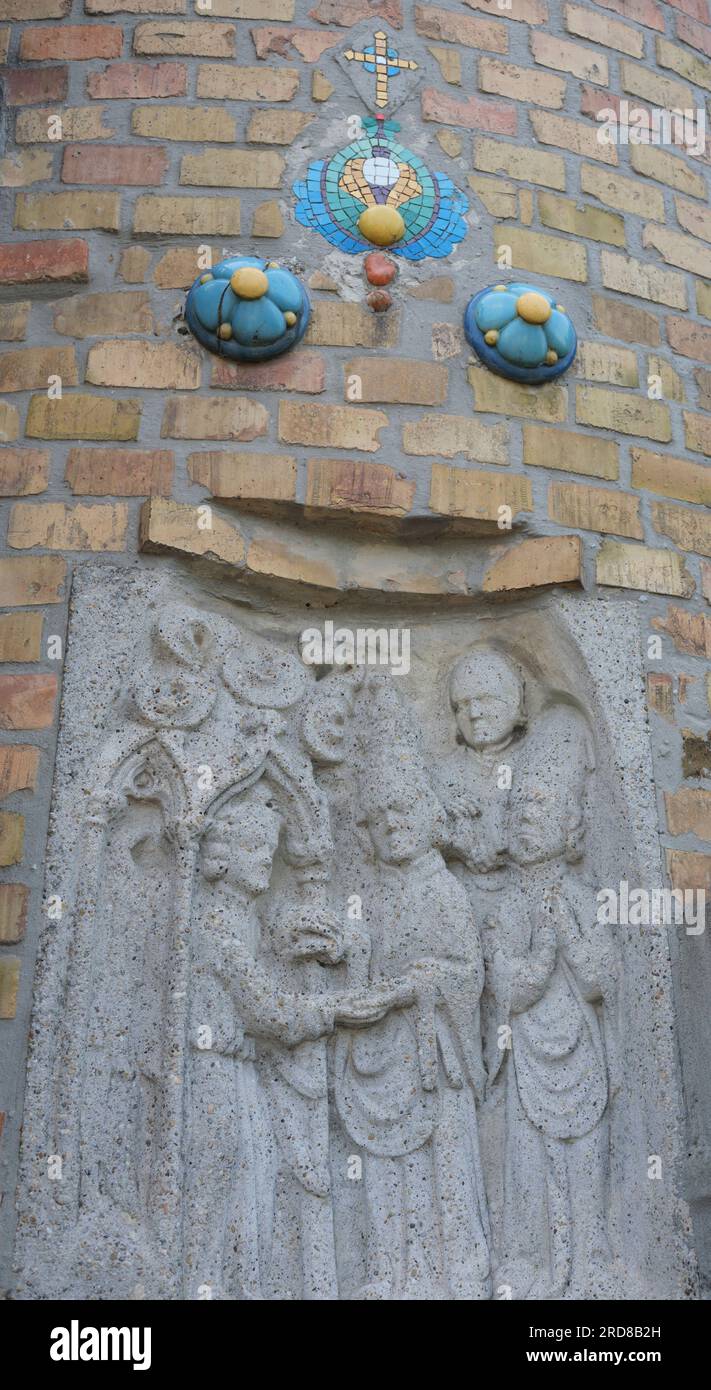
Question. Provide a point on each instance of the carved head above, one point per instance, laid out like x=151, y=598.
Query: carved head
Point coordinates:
x=487, y=694
x=325, y=718
x=404, y=816
x=241, y=840
x=546, y=815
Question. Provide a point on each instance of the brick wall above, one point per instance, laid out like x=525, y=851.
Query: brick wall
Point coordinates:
x=181, y=127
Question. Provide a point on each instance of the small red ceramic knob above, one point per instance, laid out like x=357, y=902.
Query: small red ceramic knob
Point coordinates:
x=379, y=301
x=379, y=269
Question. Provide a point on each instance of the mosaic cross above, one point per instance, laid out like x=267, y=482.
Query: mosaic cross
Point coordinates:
x=383, y=61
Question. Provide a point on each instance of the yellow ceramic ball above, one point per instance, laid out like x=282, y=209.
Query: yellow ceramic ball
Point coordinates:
x=381, y=225
x=533, y=308
x=225, y=331
x=290, y=317
x=249, y=282
x=492, y=337
x=205, y=278
x=551, y=357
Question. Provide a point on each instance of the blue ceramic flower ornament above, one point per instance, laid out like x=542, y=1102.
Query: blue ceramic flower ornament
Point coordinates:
x=247, y=309
x=521, y=332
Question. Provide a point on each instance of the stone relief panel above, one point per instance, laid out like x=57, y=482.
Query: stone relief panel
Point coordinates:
x=325, y=1009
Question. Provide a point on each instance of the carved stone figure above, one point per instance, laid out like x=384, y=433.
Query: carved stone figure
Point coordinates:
x=551, y=971
x=406, y=1088
x=327, y=1012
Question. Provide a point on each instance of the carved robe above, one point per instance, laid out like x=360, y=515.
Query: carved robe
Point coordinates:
x=406, y=1090
x=551, y=982
x=231, y=1146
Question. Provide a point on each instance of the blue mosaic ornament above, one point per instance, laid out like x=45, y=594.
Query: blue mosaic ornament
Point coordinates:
x=247, y=309
x=521, y=332
x=376, y=193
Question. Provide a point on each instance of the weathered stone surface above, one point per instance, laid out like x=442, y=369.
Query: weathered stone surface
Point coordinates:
x=296, y=765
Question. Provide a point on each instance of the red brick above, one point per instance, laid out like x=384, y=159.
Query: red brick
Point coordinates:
x=471, y=114
x=697, y=9
x=120, y=472
x=114, y=164
x=79, y=41
x=23, y=262
x=350, y=12
x=136, y=81
x=32, y=86
x=285, y=40
x=27, y=702
x=646, y=12
x=690, y=339
x=297, y=371
x=696, y=35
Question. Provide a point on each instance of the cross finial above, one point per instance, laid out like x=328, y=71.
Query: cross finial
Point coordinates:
x=385, y=62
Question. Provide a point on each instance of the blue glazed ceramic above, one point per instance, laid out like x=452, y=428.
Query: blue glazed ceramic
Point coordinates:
x=247, y=309
x=521, y=332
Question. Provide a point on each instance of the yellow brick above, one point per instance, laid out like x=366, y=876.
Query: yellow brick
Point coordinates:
x=697, y=433
x=331, y=426
x=83, y=417
x=498, y=196
x=277, y=127
x=595, y=509
x=673, y=477
x=451, y=144
x=87, y=315
x=204, y=39
x=20, y=636
x=623, y=566
x=629, y=276
x=450, y=435
x=68, y=211
x=626, y=194
x=449, y=62
x=519, y=162
x=78, y=123
x=202, y=417
x=586, y=221
x=30, y=369
x=689, y=530
x=688, y=65
x=240, y=477
x=570, y=453
x=600, y=28
x=280, y=560
x=138, y=363
x=9, y=985
x=220, y=83
x=178, y=268
x=59, y=527
x=9, y=423
x=14, y=899
x=571, y=135
x=230, y=169
x=254, y=9
x=659, y=91
x=160, y=216
x=395, y=380
x=672, y=384
x=348, y=324
x=23, y=167
x=695, y=219
x=677, y=249
x=183, y=123
x=321, y=88
x=703, y=299
x=614, y=410
x=536, y=563
x=268, y=220
x=177, y=527
x=689, y=812
x=471, y=494
x=671, y=169
x=542, y=254
x=502, y=397
x=569, y=57
x=599, y=362
x=357, y=488
x=523, y=84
